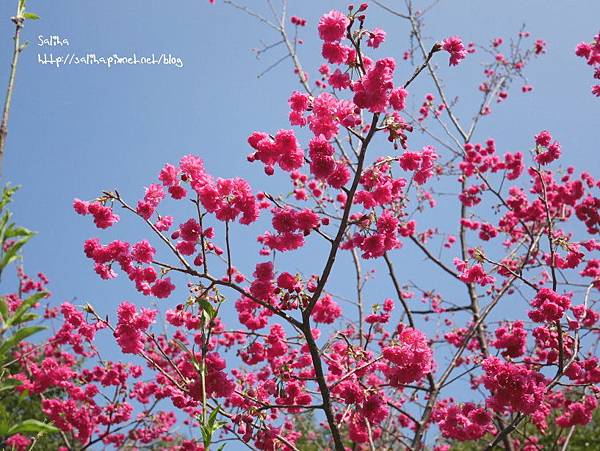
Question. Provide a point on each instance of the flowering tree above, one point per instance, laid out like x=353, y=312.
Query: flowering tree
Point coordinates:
x=376, y=375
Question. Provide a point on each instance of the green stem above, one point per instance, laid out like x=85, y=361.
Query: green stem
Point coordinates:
x=19, y=21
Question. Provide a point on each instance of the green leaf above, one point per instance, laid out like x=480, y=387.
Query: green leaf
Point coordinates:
x=208, y=308
x=18, y=337
x=9, y=386
x=18, y=316
x=192, y=358
x=218, y=425
x=206, y=436
x=3, y=221
x=13, y=253
x=181, y=345
x=24, y=395
x=8, y=191
x=31, y=16
x=3, y=309
x=25, y=318
x=212, y=418
x=32, y=426
x=13, y=231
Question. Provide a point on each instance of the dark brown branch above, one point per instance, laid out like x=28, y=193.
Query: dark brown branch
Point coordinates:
x=433, y=258
x=436, y=48
x=345, y=217
x=398, y=289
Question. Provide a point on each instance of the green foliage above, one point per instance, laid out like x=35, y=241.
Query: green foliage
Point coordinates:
x=12, y=237
x=314, y=437
x=13, y=328
x=31, y=16
x=209, y=427
x=20, y=413
x=31, y=425
x=23, y=414
x=587, y=437
x=23, y=13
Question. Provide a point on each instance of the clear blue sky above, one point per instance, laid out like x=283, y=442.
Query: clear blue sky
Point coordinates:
x=77, y=130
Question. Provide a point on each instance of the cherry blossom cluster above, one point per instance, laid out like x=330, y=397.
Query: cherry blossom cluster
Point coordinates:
x=454, y=46
x=463, y=422
x=590, y=51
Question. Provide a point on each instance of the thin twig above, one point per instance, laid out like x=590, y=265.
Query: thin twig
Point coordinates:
x=19, y=22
